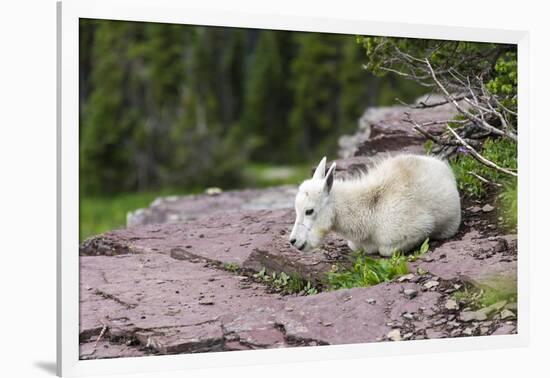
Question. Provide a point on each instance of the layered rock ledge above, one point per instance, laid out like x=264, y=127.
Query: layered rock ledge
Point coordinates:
x=166, y=288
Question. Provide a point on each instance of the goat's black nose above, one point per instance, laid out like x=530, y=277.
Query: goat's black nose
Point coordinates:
x=292, y=241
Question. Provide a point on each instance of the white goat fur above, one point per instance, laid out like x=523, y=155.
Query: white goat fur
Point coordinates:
x=396, y=205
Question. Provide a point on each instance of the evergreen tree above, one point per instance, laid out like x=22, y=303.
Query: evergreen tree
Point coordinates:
x=207, y=152
x=111, y=115
x=355, y=84
x=189, y=106
x=314, y=80
x=267, y=96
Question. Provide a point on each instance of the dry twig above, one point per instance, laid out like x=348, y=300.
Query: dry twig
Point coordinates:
x=483, y=160
x=99, y=338
x=484, y=180
x=478, y=120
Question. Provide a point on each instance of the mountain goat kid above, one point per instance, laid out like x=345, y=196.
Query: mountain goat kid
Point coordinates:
x=400, y=202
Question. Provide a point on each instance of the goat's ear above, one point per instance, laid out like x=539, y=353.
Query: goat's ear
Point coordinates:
x=320, y=171
x=329, y=179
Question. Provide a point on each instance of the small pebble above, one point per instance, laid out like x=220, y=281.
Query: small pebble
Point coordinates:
x=394, y=335
x=487, y=208
x=451, y=305
x=468, y=316
x=431, y=284
x=406, y=277
x=507, y=314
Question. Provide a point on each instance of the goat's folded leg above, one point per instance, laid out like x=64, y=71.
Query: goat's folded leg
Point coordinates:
x=403, y=246
x=387, y=251
x=354, y=246
x=369, y=248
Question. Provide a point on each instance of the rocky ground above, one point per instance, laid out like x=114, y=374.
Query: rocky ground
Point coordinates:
x=185, y=276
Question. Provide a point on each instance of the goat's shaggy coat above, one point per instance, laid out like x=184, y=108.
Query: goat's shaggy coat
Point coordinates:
x=395, y=206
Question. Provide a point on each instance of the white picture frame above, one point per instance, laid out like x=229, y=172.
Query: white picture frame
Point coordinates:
x=173, y=11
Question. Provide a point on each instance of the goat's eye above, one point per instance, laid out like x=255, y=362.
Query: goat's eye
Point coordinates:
x=309, y=211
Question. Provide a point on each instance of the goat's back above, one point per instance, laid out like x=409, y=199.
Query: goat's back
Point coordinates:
x=414, y=194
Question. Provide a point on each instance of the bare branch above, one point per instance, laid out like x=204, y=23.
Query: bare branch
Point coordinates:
x=501, y=117
x=503, y=107
x=99, y=338
x=427, y=134
x=416, y=78
x=483, y=160
x=420, y=128
x=478, y=121
x=484, y=180
x=424, y=105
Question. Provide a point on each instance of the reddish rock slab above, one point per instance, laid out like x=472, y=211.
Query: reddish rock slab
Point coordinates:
x=192, y=207
x=505, y=329
x=358, y=315
x=205, y=337
x=159, y=305
x=159, y=289
x=254, y=240
x=106, y=349
x=383, y=129
x=254, y=330
x=165, y=305
x=350, y=316
x=250, y=239
x=472, y=258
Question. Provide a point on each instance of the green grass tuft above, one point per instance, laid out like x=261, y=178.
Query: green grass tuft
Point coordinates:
x=231, y=267
x=101, y=214
x=488, y=293
x=425, y=247
x=501, y=151
x=264, y=175
x=508, y=200
x=284, y=283
x=369, y=271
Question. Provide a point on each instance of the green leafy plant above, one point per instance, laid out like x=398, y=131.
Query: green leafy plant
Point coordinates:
x=309, y=289
x=508, y=200
x=99, y=214
x=428, y=147
x=501, y=151
x=284, y=283
x=488, y=293
x=505, y=81
x=261, y=275
x=280, y=281
x=368, y=271
x=232, y=267
x=425, y=247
